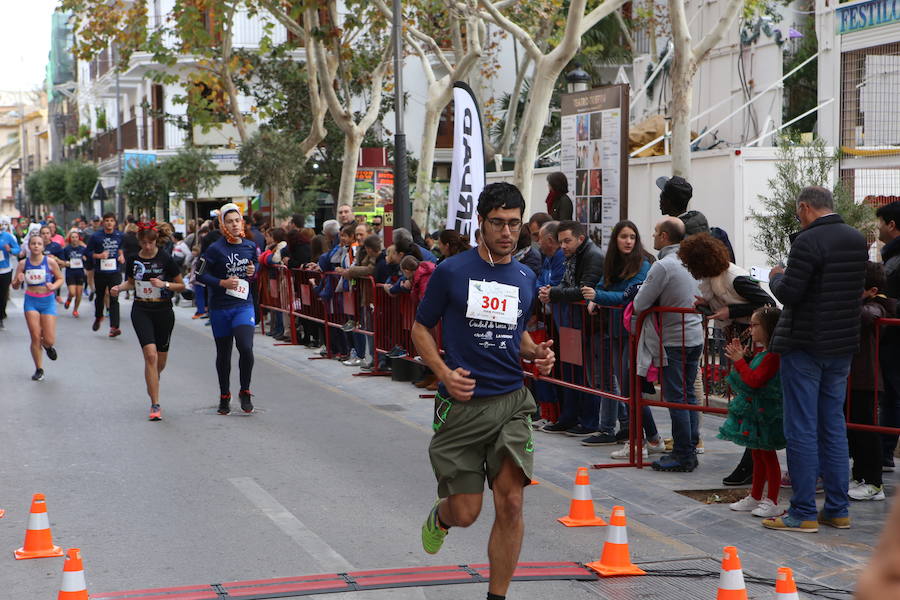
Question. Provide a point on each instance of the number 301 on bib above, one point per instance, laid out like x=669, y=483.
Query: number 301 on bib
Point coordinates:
x=492, y=301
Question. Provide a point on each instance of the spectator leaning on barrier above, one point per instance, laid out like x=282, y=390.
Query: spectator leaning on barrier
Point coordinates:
x=580, y=413
x=553, y=259
x=674, y=196
x=403, y=242
x=535, y=223
x=728, y=297
x=889, y=402
x=865, y=380
x=378, y=226
x=669, y=284
x=451, y=243
x=817, y=335
x=627, y=264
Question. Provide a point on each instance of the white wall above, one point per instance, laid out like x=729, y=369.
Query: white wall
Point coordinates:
x=732, y=181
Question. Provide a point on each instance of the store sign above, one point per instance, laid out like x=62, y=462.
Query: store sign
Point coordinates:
x=865, y=15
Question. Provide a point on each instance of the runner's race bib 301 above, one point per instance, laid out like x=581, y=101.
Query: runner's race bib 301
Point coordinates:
x=107, y=264
x=242, y=290
x=492, y=301
x=35, y=276
x=146, y=290
x=76, y=263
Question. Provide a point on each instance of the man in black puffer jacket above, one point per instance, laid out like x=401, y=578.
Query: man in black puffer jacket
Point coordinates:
x=580, y=413
x=889, y=403
x=817, y=336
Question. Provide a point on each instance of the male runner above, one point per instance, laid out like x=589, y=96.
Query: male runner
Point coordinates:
x=9, y=247
x=482, y=418
x=225, y=268
x=105, y=247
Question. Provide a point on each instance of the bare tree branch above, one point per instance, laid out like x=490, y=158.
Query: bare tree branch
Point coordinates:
x=715, y=36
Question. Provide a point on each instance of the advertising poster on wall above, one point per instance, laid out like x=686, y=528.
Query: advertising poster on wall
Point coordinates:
x=374, y=189
x=593, y=157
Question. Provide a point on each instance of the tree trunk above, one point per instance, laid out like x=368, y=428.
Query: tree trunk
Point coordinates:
x=352, y=145
x=532, y=124
x=433, y=108
x=682, y=98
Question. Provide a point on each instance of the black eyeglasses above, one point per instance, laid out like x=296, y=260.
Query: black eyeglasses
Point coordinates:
x=514, y=225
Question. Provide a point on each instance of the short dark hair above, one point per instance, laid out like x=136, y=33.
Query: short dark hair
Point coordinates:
x=577, y=229
x=890, y=212
x=558, y=182
x=298, y=220
x=673, y=230
x=373, y=242
x=817, y=197
x=381, y=218
x=500, y=195
x=768, y=319
x=540, y=218
x=349, y=229
x=409, y=263
x=550, y=228
x=874, y=276
x=110, y=215
x=259, y=218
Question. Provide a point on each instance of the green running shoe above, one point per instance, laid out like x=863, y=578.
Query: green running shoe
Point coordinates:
x=432, y=533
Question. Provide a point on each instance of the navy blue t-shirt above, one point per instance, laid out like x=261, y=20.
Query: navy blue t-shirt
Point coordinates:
x=105, y=242
x=70, y=252
x=54, y=249
x=489, y=350
x=224, y=260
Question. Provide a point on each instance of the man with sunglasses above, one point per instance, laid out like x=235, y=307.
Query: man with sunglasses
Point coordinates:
x=482, y=420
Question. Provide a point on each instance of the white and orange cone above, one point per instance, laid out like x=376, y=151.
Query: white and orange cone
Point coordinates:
x=785, y=588
x=731, y=579
x=616, y=559
x=581, y=509
x=73, y=585
x=38, y=539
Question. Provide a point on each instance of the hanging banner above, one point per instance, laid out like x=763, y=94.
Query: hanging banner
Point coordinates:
x=467, y=172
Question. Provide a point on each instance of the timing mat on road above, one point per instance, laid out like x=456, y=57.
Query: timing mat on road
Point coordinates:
x=356, y=581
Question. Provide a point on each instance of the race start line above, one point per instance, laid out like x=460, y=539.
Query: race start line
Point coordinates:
x=356, y=581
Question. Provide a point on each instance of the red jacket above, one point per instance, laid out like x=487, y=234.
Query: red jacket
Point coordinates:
x=421, y=279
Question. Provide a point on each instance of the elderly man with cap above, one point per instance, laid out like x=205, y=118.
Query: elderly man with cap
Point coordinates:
x=227, y=265
x=674, y=196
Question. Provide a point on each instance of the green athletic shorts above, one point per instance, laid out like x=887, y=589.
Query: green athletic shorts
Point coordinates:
x=471, y=438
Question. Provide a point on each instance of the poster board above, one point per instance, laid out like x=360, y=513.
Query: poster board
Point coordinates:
x=374, y=188
x=594, y=157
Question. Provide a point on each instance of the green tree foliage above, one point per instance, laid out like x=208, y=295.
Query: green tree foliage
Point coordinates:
x=799, y=166
x=267, y=161
x=33, y=187
x=80, y=181
x=53, y=185
x=190, y=172
x=144, y=186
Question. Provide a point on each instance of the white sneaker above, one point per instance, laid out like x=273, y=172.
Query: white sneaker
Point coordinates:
x=746, y=504
x=539, y=423
x=867, y=491
x=624, y=452
x=354, y=362
x=855, y=483
x=658, y=448
x=767, y=509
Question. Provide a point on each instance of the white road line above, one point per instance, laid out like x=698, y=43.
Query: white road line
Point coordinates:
x=326, y=557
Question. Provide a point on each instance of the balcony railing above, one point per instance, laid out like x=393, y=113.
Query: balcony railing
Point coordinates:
x=104, y=144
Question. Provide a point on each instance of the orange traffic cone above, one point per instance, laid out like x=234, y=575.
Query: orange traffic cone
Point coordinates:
x=581, y=509
x=731, y=580
x=38, y=539
x=73, y=586
x=785, y=588
x=615, y=559
x=533, y=482
x=2, y=512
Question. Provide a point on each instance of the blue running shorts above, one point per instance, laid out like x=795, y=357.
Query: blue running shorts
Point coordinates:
x=45, y=305
x=224, y=320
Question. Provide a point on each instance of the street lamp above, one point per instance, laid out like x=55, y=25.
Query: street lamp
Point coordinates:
x=577, y=80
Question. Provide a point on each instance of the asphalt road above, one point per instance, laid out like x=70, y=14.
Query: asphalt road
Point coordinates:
x=330, y=474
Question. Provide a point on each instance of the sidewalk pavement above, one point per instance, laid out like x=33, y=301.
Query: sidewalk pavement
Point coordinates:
x=663, y=525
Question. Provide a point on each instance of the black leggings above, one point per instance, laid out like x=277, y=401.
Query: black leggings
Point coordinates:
x=153, y=323
x=242, y=337
x=5, y=281
x=865, y=446
x=102, y=282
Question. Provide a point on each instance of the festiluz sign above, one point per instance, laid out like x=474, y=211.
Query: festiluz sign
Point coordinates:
x=865, y=15
x=467, y=172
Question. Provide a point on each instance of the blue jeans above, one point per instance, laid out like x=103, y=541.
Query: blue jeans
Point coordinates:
x=815, y=388
x=623, y=376
x=610, y=410
x=678, y=386
x=200, y=298
x=578, y=408
x=277, y=323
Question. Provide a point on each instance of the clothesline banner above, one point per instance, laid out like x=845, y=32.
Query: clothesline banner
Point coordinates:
x=593, y=157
